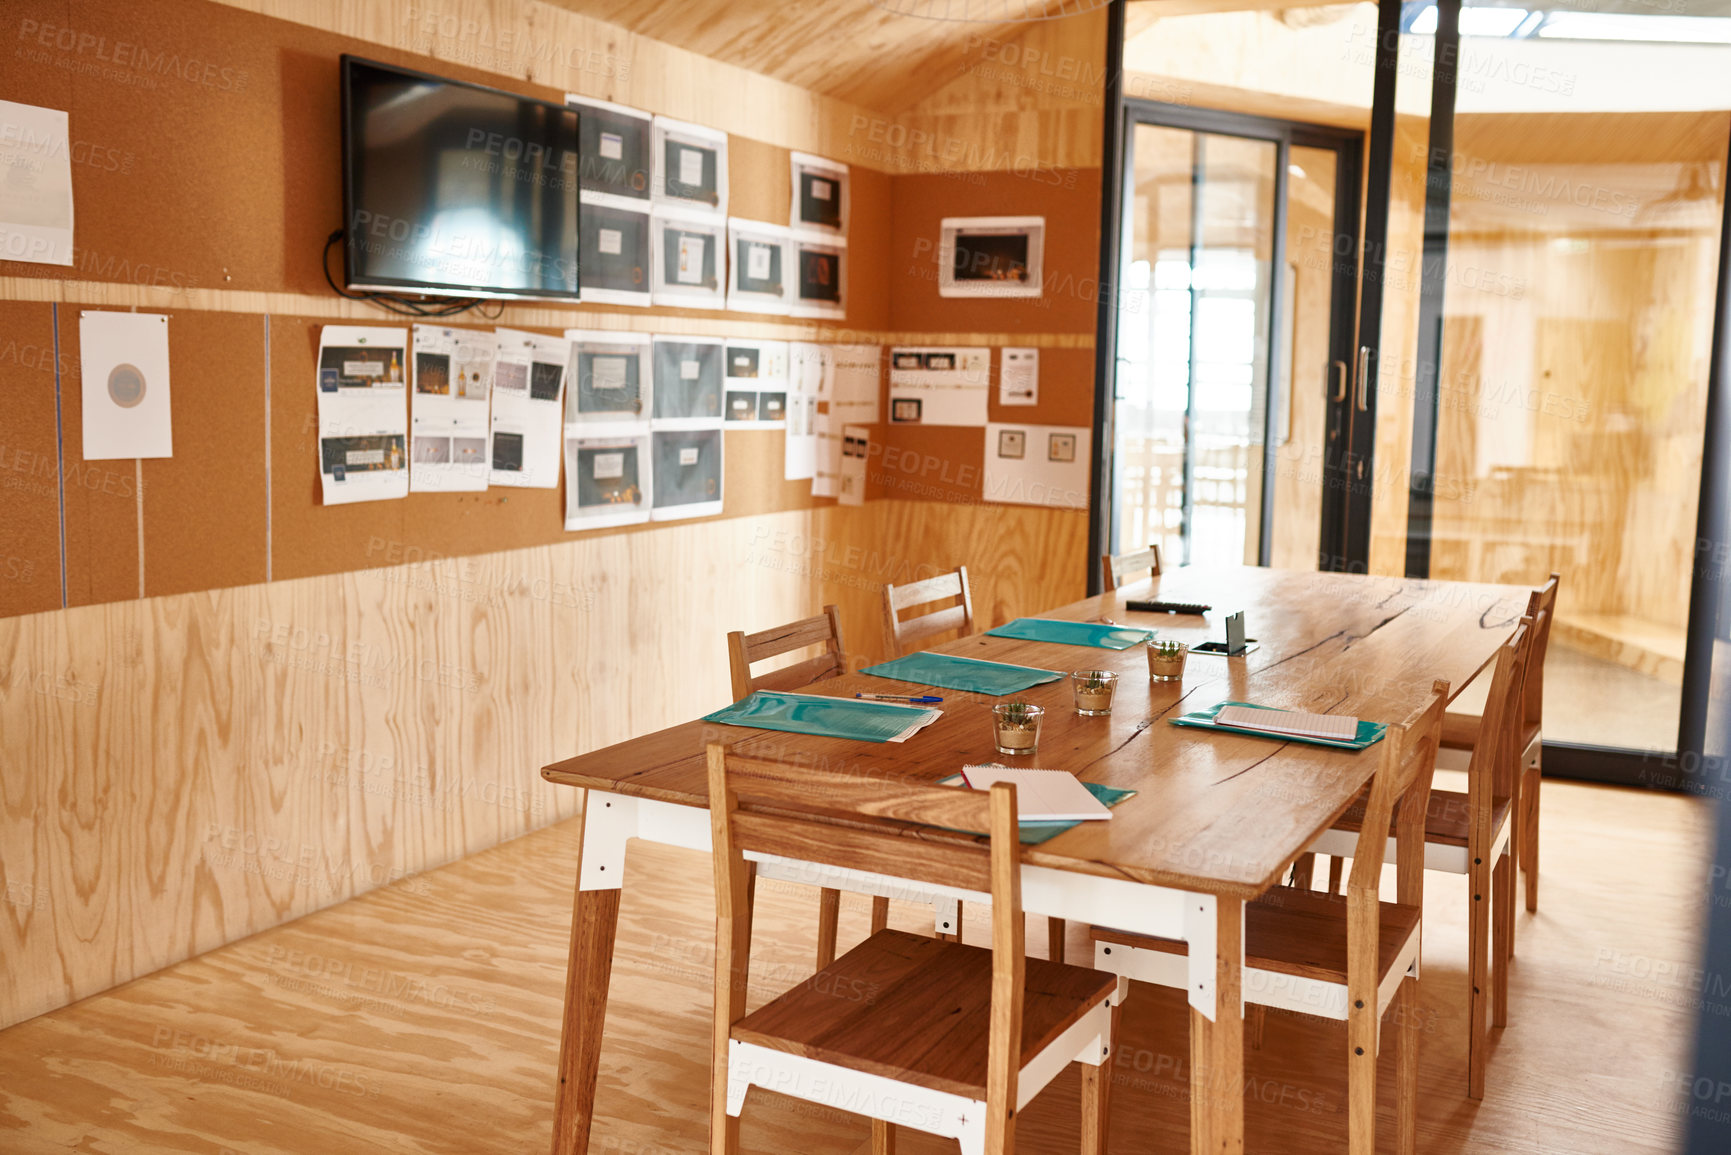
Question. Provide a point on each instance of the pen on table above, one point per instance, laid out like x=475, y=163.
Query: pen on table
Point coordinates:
x=901, y=697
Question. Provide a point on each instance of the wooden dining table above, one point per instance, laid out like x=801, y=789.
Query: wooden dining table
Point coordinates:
x=1216, y=820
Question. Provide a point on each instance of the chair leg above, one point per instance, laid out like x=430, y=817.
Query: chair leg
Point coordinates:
x=1336, y=868
x=828, y=918
x=1255, y=1019
x=883, y=1138
x=1478, y=976
x=1406, y=1067
x=1304, y=871
x=1055, y=939
x=1531, y=778
x=1097, y=1096
x=1361, y=1085
x=880, y=914
x=1502, y=938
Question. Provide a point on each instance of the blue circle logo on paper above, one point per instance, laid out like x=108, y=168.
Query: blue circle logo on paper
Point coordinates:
x=125, y=386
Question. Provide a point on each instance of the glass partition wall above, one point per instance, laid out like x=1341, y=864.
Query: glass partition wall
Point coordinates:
x=1522, y=384
x=1575, y=330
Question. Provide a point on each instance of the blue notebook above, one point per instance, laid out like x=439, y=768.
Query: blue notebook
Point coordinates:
x=860, y=719
x=971, y=674
x=1073, y=633
x=1369, y=733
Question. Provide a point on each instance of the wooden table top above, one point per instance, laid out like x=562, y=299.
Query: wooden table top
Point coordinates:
x=1216, y=813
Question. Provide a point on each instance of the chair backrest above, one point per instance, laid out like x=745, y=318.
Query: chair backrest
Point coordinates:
x=1542, y=608
x=1114, y=569
x=744, y=650
x=854, y=821
x=1399, y=795
x=900, y=633
x=1496, y=755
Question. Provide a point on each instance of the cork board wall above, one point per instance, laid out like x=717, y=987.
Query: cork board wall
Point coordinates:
x=210, y=141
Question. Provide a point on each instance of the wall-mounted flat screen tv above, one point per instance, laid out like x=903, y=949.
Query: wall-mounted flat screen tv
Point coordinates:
x=453, y=189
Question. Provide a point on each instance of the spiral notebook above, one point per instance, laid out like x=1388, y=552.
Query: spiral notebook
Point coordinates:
x=1298, y=723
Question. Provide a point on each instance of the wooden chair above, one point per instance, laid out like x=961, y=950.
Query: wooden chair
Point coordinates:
x=899, y=633
x=1471, y=834
x=1114, y=569
x=1349, y=960
x=951, y=1039
x=1461, y=732
x=746, y=650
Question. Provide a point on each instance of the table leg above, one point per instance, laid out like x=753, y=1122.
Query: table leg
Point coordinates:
x=1217, y=1044
x=594, y=921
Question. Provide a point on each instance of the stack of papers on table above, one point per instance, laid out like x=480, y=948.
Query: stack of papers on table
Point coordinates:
x=1297, y=723
x=1041, y=795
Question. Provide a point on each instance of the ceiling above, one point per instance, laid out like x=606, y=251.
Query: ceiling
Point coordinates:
x=846, y=49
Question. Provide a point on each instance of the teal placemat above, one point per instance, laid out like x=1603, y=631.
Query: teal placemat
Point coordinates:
x=1034, y=833
x=1369, y=733
x=971, y=674
x=866, y=721
x=1072, y=633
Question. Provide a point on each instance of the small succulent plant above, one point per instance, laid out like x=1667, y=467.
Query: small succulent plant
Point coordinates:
x=1016, y=715
x=1168, y=651
x=1093, y=682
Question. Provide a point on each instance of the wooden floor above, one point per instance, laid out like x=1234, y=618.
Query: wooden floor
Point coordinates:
x=425, y=1019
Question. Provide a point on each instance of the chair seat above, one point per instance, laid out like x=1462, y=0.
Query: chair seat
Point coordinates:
x=1297, y=932
x=919, y=1010
x=1461, y=731
x=1447, y=820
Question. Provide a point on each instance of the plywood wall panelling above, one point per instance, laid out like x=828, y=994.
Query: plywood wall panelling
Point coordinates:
x=182, y=771
x=102, y=497
x=1069, y=199
x=1020, y=559
x=29, y=461
x=205, y=513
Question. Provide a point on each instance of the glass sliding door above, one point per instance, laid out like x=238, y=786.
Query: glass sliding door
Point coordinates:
x=1225, y=333
x=1565, y=429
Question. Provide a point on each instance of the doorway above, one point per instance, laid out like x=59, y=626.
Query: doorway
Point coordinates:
x=1238, y=248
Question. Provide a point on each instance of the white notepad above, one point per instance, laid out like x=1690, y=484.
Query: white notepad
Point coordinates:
x=1041, y=795
x=1294, y=722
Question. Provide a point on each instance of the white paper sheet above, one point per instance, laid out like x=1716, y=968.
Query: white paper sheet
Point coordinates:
x=610, y=390
x=1037, y=465
x=827, y=181
x=449, y=409
x=849, y=388
x=124, y=359
x=363, y=413
x=35, y=185
x=805, y=363
x=759, y=268
x=757, y=388
x=688, y=470
x=607, y=481
x=688, y=259
x=528, y=399
x=931, y=385
x=1019, y=376
x=855, y=454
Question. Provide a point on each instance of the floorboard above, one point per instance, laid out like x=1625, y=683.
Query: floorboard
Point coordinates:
x=424, y=1019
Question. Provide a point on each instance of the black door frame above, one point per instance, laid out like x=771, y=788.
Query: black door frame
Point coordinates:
x=1347, y=146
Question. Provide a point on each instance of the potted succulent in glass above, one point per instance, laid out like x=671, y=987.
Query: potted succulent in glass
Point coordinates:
x=1093, y=691
x=1166, y=660
x=1016, y=727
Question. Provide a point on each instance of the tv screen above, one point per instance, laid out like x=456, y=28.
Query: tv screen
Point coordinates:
x=454, y=189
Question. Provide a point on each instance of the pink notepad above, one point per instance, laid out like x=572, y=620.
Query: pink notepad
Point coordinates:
x=1041, y=795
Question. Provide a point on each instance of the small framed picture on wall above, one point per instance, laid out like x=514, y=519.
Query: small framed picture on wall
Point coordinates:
x=991, y=256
